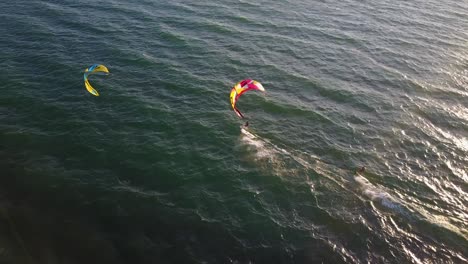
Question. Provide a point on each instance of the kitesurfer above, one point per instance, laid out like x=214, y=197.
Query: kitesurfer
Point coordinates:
x=360, y=170
x=246, y=124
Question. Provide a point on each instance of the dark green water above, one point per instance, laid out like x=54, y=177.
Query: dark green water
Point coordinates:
x=157, y=169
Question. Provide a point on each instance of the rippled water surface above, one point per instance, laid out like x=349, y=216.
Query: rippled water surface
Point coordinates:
x=158, y=170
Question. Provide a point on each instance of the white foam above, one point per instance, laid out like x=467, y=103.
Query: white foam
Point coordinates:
x=262, y=151
x=267, y=155
x=376, y=194
x=267, y=149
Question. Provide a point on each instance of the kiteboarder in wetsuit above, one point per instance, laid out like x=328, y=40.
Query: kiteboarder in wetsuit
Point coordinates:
x=360, y=170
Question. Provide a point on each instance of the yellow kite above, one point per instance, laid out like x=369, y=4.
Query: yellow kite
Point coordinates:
x=93, y=69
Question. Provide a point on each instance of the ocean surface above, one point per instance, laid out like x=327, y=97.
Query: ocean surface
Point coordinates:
x=157, y=169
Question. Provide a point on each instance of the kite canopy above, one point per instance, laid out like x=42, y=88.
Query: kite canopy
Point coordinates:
x=240, y=88
x=91, y=70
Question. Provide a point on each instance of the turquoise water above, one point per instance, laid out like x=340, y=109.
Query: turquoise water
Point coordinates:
x=158, y=170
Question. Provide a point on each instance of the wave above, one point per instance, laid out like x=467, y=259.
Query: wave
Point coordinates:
x=375, y=193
